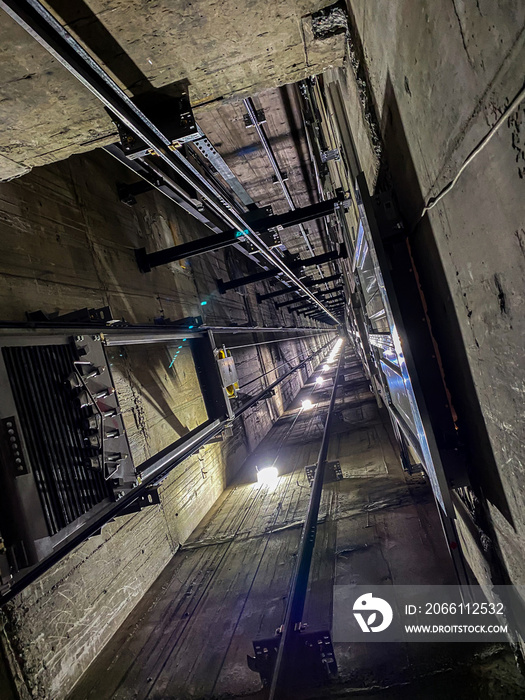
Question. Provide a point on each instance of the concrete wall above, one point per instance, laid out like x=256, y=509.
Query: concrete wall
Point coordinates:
x=219, y=50
x=68, y=242
x=432, y=78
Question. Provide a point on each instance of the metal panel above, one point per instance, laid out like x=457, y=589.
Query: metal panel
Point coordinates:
x=414, y=395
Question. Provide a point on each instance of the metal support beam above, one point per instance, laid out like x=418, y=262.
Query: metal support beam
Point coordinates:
x=316, y=315
x=34, y=18
x=272, y=272
x=327, y=292
x=308, y=283
x=127, y=193
x=307, y=305
x=303, y=308
x=298, y=216
x=146, y=261
x=319, y=295
x=291, y=629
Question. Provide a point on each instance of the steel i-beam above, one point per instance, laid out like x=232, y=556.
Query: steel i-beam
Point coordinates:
x=147, y=261
x=308, y=283
x=306, y=307
x=319, y=295
x=272, y=272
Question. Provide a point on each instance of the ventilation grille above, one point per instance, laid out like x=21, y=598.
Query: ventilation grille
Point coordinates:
x=52, y=425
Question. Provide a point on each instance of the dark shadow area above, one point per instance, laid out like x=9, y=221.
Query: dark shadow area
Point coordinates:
x=397, y=171
x=297, y=134
x=138, y=370
x=81, y=19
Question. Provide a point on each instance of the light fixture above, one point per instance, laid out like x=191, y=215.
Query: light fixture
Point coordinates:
x=268, y=476
x=319, y=380
x=306, y=405
x=326, y=368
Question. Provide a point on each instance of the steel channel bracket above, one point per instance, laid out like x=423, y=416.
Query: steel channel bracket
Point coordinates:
x=332, y=472
x=314, y=658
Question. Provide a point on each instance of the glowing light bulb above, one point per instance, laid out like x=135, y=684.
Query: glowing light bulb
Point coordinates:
x=268, y=476
x=319, y=380
x=306, y=405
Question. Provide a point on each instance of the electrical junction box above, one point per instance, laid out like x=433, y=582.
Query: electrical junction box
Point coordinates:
x=228, y=372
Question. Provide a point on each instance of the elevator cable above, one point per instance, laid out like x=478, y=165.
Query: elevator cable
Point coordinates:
x=476, y=151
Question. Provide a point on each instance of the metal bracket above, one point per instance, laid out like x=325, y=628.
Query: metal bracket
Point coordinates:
x=100, y=315
x=332, y=472
x=314, y=657
x=333, y=154
x=228, y=372
x=261, y=118
x=172, y=115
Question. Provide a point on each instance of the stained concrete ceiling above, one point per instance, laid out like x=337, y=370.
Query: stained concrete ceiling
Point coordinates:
x=242, y=150
x=221, y=51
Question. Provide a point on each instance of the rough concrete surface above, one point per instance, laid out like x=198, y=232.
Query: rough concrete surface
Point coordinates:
x=189, y=636
x=68, y=242
x=439, y=78
x=220, y=50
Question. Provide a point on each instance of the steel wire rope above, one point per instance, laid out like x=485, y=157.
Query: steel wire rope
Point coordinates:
x=475, y=152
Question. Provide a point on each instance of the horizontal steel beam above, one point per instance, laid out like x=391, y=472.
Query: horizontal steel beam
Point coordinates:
x=307, y=283
x=303, y=308
x=272, y=272
x=147, y=261
x=304, y=301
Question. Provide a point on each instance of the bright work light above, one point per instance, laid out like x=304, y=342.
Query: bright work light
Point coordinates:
x=268, y=476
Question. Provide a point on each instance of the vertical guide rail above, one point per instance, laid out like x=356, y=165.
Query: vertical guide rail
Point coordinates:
x=296, y=601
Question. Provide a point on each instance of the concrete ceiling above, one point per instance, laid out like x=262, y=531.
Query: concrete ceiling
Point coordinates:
x=221, y=51
x=241, y=148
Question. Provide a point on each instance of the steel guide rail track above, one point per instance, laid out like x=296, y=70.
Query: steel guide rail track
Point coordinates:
x=299, y=585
